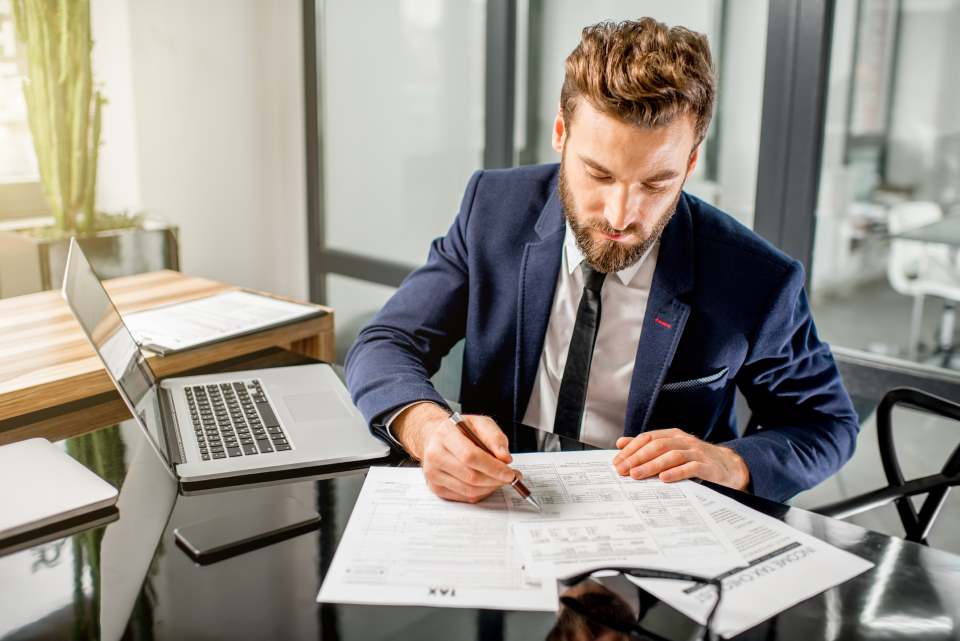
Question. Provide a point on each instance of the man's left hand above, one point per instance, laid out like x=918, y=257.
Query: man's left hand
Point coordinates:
x=674, y=455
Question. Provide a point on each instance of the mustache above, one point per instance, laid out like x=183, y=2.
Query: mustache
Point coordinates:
x=603, y=226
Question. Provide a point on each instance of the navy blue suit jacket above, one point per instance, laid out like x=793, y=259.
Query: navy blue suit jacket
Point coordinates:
x=726, y=309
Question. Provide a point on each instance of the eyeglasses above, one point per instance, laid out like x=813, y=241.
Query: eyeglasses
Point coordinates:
x=599, y=612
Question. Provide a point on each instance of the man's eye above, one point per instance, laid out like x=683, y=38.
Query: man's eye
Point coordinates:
x=599, y=177
x=654, y=189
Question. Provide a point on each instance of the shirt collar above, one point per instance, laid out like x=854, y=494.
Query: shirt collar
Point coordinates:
x=575, y=257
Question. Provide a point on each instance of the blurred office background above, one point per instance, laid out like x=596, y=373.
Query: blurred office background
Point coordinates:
x=315, y=148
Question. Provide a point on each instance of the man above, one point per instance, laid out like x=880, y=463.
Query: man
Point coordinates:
x=600, y=301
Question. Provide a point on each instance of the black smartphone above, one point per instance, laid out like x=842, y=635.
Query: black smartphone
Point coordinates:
x=231, y=534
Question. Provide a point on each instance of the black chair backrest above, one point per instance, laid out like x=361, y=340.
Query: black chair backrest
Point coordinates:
x=916, y=524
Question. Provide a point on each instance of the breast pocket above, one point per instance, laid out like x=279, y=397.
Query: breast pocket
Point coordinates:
x=691, y=404
x=712, y=380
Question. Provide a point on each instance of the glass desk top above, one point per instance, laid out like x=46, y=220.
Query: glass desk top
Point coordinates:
x=128, y=579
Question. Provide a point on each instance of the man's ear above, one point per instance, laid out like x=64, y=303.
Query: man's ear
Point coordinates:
x=694, y=157
x=559, y=132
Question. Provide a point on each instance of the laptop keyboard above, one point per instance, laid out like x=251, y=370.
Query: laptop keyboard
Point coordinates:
x=234, y=419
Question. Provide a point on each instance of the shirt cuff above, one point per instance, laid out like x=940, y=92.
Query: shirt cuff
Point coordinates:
x=393, y=415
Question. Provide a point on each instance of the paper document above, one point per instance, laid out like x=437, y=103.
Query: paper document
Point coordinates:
x=404, y=545
x=785, y=567
x=206, y=320
x=594, y=517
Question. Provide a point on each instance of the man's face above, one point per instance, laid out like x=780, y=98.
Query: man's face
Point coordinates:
x=620, y=183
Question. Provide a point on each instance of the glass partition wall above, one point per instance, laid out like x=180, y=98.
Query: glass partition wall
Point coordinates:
x=891, y=167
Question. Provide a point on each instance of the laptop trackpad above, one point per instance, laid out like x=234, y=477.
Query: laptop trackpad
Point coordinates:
x=315, y=406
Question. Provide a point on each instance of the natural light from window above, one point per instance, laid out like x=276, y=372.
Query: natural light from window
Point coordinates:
x=18, y=163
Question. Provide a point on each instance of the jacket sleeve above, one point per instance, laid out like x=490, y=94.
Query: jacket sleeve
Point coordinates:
x=790, y=380
x=394, y=356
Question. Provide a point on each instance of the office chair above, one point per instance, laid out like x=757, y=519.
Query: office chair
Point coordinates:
x=916, y=524
x=921, y=269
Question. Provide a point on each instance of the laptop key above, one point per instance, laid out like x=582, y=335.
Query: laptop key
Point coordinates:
x=250, y=449
x=204, y=456
x=233, y=451
x=219, y=455
x=284, y=447
x=265, y=447
x=269, y=419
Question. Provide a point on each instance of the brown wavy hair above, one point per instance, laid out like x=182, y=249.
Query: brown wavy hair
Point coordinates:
x=642, y=72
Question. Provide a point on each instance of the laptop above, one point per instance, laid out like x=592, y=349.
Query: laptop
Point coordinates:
x=54, y=492
x=217, y=429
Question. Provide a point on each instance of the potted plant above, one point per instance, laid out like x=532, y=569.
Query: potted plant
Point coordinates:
x=64, y=112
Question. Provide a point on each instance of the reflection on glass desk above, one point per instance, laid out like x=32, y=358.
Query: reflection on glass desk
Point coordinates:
x=128, y=579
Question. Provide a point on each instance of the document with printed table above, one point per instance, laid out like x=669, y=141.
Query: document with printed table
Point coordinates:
x=785, y=566
x=404, y=545
x=193, y=323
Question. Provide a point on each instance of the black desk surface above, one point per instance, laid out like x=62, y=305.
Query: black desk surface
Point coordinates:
x=128, y=578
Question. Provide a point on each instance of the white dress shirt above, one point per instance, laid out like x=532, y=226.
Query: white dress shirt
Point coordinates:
x=623, y=303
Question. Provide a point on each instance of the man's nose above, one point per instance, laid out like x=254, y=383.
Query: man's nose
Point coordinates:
x=621, y=207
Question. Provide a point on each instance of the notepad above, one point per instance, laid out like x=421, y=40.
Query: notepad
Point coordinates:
x=180, y=326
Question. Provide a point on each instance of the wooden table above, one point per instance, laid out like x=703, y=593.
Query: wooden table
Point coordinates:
x=52, y=383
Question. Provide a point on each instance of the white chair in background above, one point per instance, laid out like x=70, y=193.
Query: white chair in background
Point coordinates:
x=921, y=269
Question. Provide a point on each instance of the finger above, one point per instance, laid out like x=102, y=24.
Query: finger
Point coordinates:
x=469, y=455
x=635, y=444
x=469, y=476
x=447, y=494
x=652, y=450
x=491, y=435
x=671, y=432
x=458, y=486
x=443, y=461
x=689, y=470
x=666, y=461
x=622, y=441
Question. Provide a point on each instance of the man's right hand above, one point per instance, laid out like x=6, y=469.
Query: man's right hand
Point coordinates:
x=455, y=468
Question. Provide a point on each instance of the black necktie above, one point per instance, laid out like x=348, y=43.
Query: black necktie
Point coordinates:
x=576, y=373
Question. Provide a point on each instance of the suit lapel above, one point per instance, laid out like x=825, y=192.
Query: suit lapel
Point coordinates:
x=665, y=318
x=539, y=268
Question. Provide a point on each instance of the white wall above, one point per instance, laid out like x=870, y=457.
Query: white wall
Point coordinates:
x=205, y=130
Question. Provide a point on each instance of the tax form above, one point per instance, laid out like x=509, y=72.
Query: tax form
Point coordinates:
x=404, y=545
x=179, y=326
x=594, y=517
x=785, y=567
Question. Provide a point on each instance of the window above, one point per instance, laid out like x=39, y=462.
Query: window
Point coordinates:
x=20, y=192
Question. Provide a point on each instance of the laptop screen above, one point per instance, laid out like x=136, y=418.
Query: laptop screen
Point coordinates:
x=113, y=342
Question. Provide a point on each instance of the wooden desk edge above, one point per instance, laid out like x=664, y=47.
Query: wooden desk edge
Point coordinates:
x=312, y=337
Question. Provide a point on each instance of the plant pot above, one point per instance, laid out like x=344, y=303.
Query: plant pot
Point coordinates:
x=31, y=263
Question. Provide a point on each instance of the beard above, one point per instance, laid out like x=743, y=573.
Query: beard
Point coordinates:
x=609, y=255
